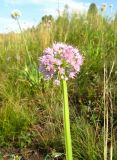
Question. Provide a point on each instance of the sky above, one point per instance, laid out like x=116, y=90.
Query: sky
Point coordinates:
x=33, y=10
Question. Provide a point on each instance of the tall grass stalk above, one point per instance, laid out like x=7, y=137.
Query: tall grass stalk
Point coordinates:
x=108, y=114
x=111, y=113
x=105, y=115
x=111, y=127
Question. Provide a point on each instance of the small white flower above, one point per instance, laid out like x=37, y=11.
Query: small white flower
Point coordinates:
x=103, y=7
x=57, y=82
x=66, y=79
x=15, y=14
x=62, y=77
x=110, y=5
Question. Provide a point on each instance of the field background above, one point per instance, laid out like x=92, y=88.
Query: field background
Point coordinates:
x=31, y=109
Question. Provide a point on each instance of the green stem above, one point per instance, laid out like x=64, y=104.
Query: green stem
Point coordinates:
x=26, y=47
x=66, y=119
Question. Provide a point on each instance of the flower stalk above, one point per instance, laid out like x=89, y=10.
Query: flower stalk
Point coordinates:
x=26, y=47
x=15, y=15
x=61, y=63
x=66, y=119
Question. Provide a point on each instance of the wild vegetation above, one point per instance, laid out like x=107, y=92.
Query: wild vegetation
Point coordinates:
x=31, y=109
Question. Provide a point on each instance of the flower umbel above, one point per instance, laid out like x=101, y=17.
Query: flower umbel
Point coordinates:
x=62, y=61
x=103, y=7
x=15, y=14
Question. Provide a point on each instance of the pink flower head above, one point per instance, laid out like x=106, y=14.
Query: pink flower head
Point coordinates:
x=72, y=74
x=48, y=51
x=61, y=60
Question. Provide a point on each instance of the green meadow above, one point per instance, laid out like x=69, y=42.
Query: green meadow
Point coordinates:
x=31, y=109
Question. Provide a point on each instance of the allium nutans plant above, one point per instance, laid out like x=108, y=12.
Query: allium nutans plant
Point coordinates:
x=61, y=63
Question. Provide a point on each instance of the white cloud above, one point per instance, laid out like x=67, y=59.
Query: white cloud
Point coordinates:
x=53, y=3
x=8, y=25
x=31, y=1
x=78, y=7
x=47, y=11
x=47, y=7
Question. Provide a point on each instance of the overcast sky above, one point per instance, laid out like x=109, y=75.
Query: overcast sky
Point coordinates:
x=33, y=10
